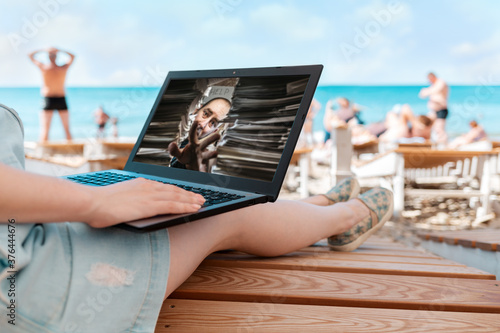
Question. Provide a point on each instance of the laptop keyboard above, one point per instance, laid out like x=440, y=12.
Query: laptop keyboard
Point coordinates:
x=107, y=178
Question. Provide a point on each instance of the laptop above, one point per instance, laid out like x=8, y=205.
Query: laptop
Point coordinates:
x=227, y=134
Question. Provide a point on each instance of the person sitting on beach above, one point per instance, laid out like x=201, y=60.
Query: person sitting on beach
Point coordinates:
x=54, y=77
x=346, y=114
x=361, y=134
x=93, y=277
x=475, y=134
x=193, y=153
x=404, y=124
x=100, y=118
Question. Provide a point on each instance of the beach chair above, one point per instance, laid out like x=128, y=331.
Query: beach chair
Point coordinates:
x=368, y=147
x=300, y=164
x=398, y=165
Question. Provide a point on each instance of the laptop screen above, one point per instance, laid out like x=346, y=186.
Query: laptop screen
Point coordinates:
x=235, y=126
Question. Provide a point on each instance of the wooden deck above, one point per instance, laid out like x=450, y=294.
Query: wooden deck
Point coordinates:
x=487, y=240
x=381, y=287
x=476, y=248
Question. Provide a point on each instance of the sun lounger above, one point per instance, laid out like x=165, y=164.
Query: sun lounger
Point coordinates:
x=300, y=163
x=396, y=165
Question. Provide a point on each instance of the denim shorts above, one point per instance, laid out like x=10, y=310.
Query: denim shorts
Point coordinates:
x=74, y=278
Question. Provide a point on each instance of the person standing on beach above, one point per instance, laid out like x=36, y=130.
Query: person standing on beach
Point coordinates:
x=54, y=77
x=437, y=93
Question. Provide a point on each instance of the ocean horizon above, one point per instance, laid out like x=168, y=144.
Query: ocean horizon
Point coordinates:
x=131, y=105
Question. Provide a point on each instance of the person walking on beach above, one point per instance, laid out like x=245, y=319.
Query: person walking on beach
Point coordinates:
x=437, y=93
x=54, y=77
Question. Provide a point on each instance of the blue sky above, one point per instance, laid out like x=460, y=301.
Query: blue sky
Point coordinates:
x=133, y=43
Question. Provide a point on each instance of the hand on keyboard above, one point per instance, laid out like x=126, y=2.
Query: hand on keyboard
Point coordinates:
x=138, y=198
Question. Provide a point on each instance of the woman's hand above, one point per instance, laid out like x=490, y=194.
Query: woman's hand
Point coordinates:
x=138, y=198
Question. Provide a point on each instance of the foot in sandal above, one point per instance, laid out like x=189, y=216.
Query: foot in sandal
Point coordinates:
x=345, y=190
x=381, y=204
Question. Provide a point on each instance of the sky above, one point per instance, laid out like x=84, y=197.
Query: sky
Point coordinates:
x=370, y=42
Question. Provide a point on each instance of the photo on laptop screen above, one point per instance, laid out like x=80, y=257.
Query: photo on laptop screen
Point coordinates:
x=231, y=126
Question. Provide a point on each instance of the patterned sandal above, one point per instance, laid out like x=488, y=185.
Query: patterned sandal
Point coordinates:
x=381, y=204
x=346, y=190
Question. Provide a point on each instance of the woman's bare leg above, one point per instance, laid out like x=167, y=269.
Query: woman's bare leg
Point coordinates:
x=265, y=230
x=319, y=200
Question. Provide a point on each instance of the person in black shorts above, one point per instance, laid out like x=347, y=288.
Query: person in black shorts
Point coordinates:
x=442, y=114
x=54, y=77
x=437, y=93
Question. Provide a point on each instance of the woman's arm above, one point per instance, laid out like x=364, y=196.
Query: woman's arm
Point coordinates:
x=28, y=197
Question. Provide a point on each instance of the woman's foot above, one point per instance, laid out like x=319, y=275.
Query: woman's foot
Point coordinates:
x=345, y=190
x=380, y=203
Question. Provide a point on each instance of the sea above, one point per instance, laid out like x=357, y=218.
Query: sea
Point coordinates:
x=131, y=105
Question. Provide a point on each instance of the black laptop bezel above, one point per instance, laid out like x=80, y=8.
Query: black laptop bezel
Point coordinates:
x=270, y=189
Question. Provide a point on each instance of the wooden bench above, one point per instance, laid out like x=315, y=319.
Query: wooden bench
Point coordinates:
x=416, y=145
x=477, y=248
x=382, y=286
x=179, y=315
x=487, y=240
x=108, y=149
x=61, y=158
x=53, y=148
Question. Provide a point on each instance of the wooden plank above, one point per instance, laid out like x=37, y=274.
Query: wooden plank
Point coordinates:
x=365, y=145
x=488, y=240
x=318, y=264
x=427, y=144
x=374, y=245
x=193, y=316
x=364, y=250
x=119, y=145
x=445, y=153
x=376, y=251
x=62, y=145
x=348, y=256
x=69, y=161
x=297, y=154
x=341, y=289
x=429, y=158
x=379, y=243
